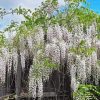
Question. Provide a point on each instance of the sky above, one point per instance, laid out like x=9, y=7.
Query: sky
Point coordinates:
x=94, y=5
x=8, y=4
x=31, y=4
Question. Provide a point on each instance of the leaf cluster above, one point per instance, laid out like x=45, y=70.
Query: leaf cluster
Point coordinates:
x=82, y=49
x=87, y=92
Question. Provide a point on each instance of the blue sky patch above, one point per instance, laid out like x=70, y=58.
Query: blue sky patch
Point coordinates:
x=94, y=5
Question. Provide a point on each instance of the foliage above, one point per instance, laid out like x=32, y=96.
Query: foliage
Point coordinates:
x=2, y=40
x=43, y=67
x=42, y=64
x=98, y=36
x=82, y=49
x=98, y=62
x=87, y=92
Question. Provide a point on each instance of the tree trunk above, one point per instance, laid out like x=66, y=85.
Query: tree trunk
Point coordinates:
x=18, y=76
x=6, y=79
x=25, y=80
x=28, y=63
x=67, y=79
x=12, y=79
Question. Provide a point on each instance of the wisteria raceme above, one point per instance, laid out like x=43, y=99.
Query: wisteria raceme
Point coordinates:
x=88, y=68
x=35, y=85
x=59, y=43
x=2, y=70
x=81, y=69
x=74, y=82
